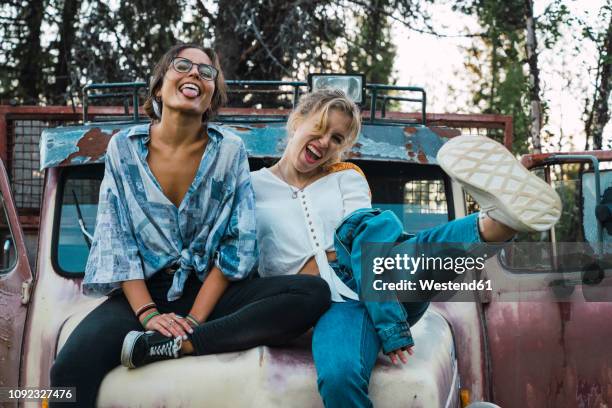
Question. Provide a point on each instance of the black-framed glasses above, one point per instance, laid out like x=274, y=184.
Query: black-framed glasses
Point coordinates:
x=183, y=65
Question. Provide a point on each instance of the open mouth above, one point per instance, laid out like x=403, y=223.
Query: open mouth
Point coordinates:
x=190, y=90
x=312, y=154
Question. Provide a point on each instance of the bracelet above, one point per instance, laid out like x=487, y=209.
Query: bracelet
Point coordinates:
x=144, y=308
x=149, y=317
x=192, y=320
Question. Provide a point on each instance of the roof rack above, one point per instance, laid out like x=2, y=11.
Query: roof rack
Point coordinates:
x=91, y=92
x=373, y=92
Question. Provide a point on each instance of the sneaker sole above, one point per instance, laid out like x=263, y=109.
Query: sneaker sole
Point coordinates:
x=491, y=174
x=128, y=347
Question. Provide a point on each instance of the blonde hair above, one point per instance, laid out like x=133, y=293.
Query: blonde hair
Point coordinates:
x=320, y=103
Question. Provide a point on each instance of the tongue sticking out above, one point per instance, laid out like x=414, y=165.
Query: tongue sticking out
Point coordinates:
x=190, y=93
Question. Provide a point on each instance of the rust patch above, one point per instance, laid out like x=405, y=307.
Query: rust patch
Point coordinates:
x=445, y=132
x=357, y=145
x=410, y=130
x=240, y=128
x=421, y=157
x=411, y=154
x=353, y=155
x=93, y=145
x=249, y=128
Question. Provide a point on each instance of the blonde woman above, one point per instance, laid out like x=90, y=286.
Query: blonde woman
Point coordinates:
x=301, y=201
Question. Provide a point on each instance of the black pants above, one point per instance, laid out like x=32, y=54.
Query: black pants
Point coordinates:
x=262, y=311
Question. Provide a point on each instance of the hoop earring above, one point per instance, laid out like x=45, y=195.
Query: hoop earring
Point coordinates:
x=157, y=107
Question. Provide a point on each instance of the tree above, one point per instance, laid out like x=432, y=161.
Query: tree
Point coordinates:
x=64, y=45
x=503, y=62
x=370, y=49
x=496, y=63
x=120, y=41
x=22, y=75
x=599, y=113
x=535, y=106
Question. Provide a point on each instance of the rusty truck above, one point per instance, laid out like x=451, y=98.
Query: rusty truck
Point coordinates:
x=512, y=353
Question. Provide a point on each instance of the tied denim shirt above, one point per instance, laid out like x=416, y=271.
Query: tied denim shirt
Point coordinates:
x=139, y=231
x=373, y=225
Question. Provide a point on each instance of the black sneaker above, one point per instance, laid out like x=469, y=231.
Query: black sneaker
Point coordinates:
x=141, y=348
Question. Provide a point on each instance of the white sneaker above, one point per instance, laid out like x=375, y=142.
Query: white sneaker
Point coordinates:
x=506, y=191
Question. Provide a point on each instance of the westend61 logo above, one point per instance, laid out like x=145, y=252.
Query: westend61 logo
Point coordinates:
x=513, y=271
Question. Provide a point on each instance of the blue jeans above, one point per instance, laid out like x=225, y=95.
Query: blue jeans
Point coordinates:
x=345, y=344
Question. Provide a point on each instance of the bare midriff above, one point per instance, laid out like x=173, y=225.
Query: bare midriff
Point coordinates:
x=311, y=268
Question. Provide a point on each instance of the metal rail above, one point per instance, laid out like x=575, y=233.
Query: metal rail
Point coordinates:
x=375, y=95
x=134, y=86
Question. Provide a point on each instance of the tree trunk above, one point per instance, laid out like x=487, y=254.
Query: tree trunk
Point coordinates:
x=226, y=39
x=601, y=109
x=534, y=78
x=65, y=44
x=30, y=51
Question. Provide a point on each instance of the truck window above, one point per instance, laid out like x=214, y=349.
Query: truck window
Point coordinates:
x=567, y=181
x=8, y=252
x=79, y=188
x=416, y=193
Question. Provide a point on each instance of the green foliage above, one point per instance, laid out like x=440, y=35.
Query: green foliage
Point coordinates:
x=371, y=50
x=22, y=59
x=121, y=41
x=497, y=61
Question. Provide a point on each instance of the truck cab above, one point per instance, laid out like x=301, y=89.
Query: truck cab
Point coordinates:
x=514, y=353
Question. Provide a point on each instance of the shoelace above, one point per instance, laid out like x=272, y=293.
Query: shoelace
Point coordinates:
x=168, y=349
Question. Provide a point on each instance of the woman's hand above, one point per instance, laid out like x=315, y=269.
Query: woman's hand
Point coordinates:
x=398, y=354
x=170, y=325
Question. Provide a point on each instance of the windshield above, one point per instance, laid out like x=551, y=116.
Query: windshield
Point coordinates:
x=415, y=193
x=80, y=185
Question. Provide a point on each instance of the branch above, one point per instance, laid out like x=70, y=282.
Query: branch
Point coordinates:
x=204, y=11
x=255, y=31
x=428, y=31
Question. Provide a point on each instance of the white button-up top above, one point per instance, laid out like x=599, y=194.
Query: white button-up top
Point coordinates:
x=292, y=228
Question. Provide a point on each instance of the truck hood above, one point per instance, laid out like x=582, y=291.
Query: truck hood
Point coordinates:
x=270, y=377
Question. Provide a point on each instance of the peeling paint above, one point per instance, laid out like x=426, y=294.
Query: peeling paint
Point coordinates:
x=75, y=145
x=66, y=146
x=92, y=146
x=445, y=131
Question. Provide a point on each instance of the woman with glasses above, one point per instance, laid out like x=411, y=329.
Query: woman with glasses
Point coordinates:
x=175, y=241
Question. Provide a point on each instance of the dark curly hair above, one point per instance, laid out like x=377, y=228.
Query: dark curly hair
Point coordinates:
x=219, y=97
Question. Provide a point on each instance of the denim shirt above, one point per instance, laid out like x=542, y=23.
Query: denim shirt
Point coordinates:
x=373, y=225
x=139, y=231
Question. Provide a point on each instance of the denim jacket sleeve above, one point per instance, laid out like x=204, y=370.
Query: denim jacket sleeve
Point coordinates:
x=364, y=226
x=114, y=255
x=237, y=253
